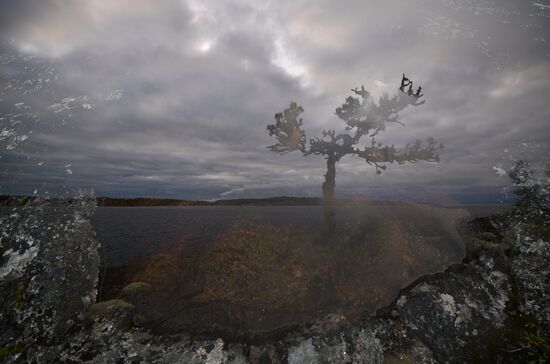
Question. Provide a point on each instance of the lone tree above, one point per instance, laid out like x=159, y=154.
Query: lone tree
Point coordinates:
x=363, y=118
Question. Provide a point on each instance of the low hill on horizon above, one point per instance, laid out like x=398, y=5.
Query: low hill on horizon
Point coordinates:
x=270, y=201
x=7, y=200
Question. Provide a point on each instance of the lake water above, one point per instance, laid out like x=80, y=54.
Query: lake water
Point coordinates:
x=130, y=234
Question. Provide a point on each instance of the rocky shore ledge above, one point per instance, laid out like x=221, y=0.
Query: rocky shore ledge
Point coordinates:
x=492, y=307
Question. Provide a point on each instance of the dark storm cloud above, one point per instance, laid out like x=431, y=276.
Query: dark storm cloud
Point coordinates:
x=172, y=98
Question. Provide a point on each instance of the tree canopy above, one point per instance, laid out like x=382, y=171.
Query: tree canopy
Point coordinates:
x=363, y=118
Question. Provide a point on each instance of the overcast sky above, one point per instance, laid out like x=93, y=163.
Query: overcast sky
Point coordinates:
x=172, y=98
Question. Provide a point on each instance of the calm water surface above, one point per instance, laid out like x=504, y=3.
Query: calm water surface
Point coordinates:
x=128, y=234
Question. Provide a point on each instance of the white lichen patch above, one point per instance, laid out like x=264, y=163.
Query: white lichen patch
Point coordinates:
x=425, y=288
x=303, y=353
x=216, y=356
x=17, y=261
x=401, y=301
x=448, y=304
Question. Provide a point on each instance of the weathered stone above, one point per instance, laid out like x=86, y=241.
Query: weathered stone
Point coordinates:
x=356, y=344
x=400, y=345
x=436, y=319
x=48, y=274
x=531, y=271
x=451, y=310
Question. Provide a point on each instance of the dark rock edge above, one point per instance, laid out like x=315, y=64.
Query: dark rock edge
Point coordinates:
x=475, y=311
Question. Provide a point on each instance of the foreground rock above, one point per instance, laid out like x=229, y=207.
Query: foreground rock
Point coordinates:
x=531, y=271
x=450, y=312
x=469, y=313
x=48, y=277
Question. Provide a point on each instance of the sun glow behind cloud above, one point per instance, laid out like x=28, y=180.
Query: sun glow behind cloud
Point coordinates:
x=207, y=20
x=204, y=46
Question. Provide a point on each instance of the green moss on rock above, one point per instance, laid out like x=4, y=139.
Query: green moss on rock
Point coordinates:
x=11, y=350
x=134, y=291
x=489, y=236
x=111, y=308
x=20, y=295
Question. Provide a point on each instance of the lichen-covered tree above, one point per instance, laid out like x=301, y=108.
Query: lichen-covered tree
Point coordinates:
x=531, y=185
x=363, y=118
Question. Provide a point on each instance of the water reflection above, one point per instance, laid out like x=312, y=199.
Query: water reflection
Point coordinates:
x=256, y=276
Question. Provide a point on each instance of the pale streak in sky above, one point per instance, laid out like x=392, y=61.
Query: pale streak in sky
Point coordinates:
x=172, y=98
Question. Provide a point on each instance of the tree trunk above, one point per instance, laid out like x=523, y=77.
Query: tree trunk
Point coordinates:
x=328, y=193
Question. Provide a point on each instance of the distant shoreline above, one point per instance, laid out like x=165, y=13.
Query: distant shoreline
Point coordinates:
x=6, y=200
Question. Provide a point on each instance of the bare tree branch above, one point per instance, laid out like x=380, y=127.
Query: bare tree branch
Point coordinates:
x=379, y=155
x=367, y=118
x=362, y=117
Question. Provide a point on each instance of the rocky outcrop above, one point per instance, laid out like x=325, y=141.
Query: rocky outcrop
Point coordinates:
x=464, y=314
x=531, y=271
x=451, y=311
x=48, y=275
